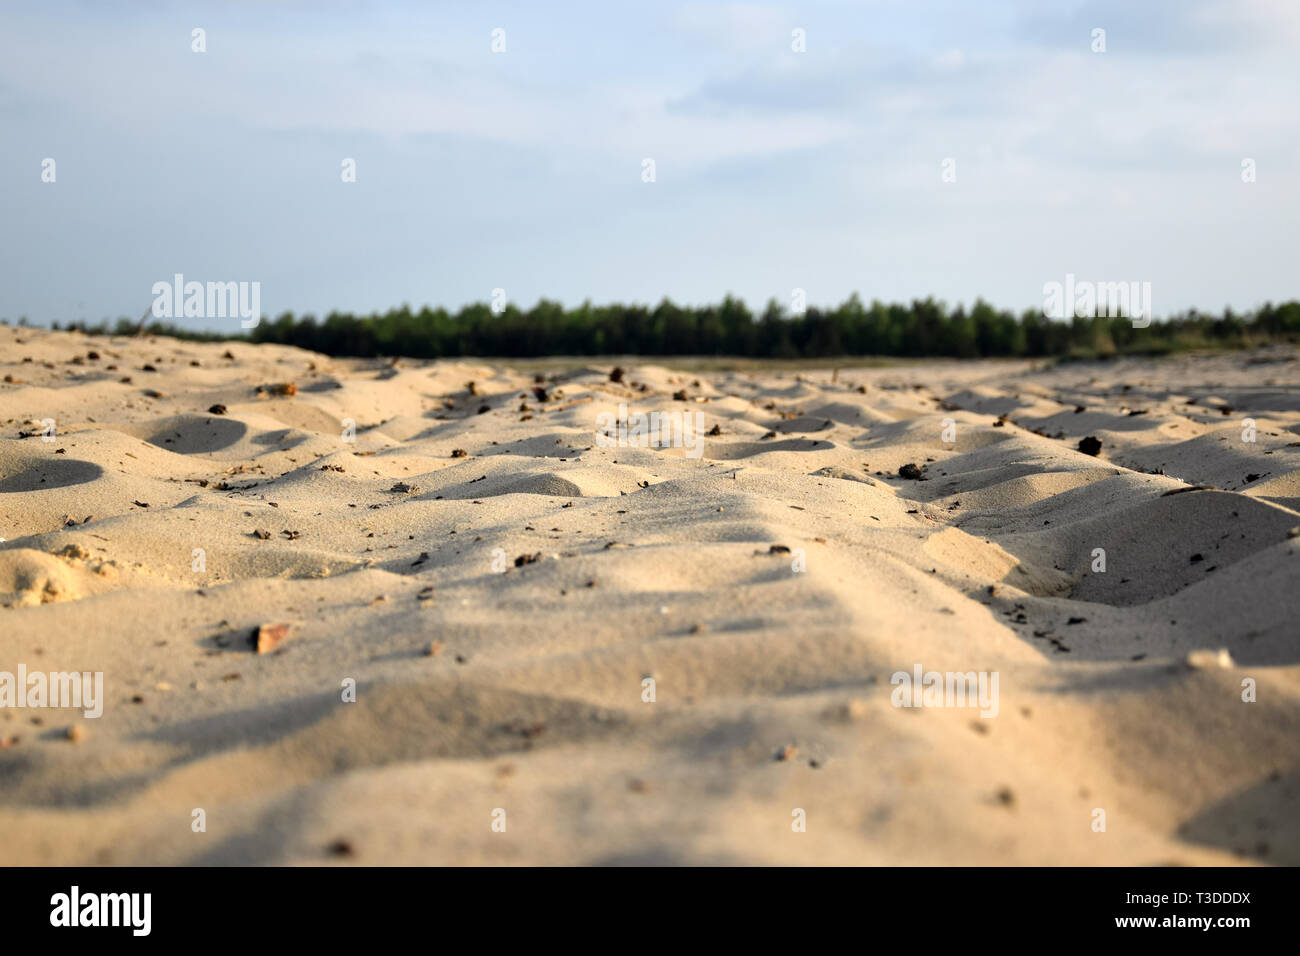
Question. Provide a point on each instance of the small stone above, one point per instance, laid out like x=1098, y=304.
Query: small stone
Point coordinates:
x=268, y=636
x=342, y=848
x=1209, y=660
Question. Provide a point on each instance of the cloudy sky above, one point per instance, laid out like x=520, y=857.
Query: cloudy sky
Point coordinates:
x=522, y=170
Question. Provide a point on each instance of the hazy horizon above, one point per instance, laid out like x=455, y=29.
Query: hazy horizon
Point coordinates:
x=522, y=170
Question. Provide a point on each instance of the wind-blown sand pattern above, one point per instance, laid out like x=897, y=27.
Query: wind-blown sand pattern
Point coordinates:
x=522, y=689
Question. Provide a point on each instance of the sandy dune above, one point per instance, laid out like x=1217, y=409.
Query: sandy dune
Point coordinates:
x=486, y=681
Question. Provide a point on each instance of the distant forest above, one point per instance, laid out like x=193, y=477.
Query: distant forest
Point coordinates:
x=923, y=328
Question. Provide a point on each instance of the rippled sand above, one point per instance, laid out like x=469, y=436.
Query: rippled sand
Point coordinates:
x=500, y=586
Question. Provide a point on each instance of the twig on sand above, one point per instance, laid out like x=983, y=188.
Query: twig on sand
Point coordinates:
x=576, y=401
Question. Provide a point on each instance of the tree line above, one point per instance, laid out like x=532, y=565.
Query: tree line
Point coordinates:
x=925, y=328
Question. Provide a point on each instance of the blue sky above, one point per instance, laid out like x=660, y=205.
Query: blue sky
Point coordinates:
x=522, y=170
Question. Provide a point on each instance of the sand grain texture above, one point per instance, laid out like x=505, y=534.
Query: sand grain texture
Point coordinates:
x=520, y=689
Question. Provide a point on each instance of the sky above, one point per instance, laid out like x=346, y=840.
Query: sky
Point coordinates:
x=524, y=170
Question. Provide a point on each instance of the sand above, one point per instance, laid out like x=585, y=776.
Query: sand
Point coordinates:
x=495, y=588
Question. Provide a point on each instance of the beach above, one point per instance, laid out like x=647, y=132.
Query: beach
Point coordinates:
x=350, y=611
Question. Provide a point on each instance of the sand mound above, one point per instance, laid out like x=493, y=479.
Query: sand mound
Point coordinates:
x=643, y=654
